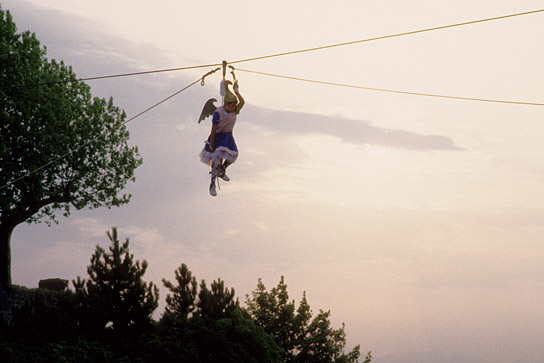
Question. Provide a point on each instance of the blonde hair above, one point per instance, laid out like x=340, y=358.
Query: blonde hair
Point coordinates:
x=230, y=97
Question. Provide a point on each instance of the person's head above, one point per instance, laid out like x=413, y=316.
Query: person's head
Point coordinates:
x=231, y=106
x=230, y=102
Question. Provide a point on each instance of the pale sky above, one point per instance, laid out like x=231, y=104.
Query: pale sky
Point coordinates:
x=417, y=221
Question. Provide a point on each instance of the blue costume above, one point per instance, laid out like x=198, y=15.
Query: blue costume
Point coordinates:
x=225, y=145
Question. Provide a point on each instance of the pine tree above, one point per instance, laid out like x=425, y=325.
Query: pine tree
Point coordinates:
x=115, y=294
x=206, y=324
x=183, y=298
x=218, y=302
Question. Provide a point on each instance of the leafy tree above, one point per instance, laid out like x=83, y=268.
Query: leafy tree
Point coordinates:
x=302, y=338
x=322, y=343
x=202, y=324
x=115, y=292
x=276, y=314
x=59, y=146
x=75, y=352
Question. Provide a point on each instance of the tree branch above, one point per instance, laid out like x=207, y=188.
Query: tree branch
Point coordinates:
x=22, y=214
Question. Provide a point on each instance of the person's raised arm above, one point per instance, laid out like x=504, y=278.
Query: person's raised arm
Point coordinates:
x=241, y=101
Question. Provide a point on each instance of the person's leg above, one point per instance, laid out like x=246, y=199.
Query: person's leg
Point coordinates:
x=222, y=169
x=213, y=173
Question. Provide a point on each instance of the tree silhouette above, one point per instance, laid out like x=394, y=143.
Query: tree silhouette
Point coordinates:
x=182, y=300
x=115, y=294
x=218, y=302
x=59, y=146
x=109, y=319
x=276, y=314
x=302, y=338
x=202, y=324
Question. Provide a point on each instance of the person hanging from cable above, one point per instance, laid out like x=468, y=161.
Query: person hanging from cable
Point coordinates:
x=220, y=150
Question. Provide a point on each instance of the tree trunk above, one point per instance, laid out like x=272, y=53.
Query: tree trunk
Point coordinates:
x=5, y=255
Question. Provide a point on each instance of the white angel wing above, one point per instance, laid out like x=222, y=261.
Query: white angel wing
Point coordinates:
x=208, y=109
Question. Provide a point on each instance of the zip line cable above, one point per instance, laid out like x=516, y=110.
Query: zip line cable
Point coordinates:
x=201, y=80
x=390, y=90
x=162, y=101
x=110, y=76
x=278, y=76
x=388, y=36
x=281, y=54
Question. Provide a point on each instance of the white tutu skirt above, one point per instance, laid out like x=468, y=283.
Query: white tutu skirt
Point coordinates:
x=225, y=149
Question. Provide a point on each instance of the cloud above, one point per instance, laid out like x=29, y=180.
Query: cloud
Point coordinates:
x=144, y=235
x=262, y=226
x=233, y=231
x=53, y=262
x=357, y=132
x=425, y=357
x=91, y=227
x=97, y=52
x=91, y=42
x=95, y=228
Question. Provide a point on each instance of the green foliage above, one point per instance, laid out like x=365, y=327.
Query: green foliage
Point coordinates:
x=115, y=292
x=75, y=146
x=108, y=319
x=230, y=339
x=182, y=301
x=276, y=314
x=44, y=316
x=42, y=123
x=301, y=338
x=215, y=304
x=209, y=325
x=218, y=302
x=79, y=351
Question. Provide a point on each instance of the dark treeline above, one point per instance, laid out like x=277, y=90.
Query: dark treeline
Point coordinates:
x=108, y=318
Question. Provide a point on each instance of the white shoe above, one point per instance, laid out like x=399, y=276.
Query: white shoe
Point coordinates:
x=213, y=192
x=223, y=175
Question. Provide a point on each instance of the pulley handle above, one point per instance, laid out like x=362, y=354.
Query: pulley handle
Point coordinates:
x=232, y=72
x=224, y=65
